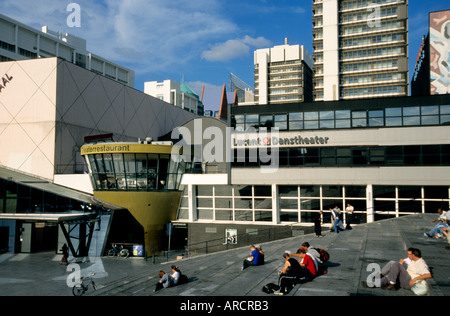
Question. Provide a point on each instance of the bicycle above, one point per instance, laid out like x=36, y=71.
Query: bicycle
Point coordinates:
x=119, y=251
x=80, y=289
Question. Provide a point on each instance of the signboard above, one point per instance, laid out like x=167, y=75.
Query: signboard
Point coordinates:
x=138, y=250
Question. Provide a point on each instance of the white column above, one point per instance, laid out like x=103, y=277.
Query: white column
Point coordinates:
x=331, y=50
x=275, y=208
x=370, y=204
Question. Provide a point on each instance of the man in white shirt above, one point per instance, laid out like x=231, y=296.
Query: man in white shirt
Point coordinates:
x=395, y=274
x=349, y=214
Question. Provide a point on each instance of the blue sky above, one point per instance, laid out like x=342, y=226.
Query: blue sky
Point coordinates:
x=202, y=41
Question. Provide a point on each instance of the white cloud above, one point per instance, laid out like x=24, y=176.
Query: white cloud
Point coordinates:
x=148, y=35
x=234, y=48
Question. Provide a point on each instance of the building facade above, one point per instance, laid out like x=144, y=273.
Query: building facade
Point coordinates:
x=48, y=107
x=19, y=41
x=175, y=93
x=360, y=49
x=387, y=157
x=283, y=74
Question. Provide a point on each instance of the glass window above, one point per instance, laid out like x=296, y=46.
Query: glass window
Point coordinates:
x=261, y=216
x=414, y=192
x=342, y=123
x=445, y=119
x=288, y=191
x=310, y=191
x=289, y=216
x=239, y=118
x=311, y=124
x=243, y=216
x=291, y=204
x=266, y=121
x=311, y=116
x=130, y=163
x=355, y=191
x=326, y=124
x=343, y=114
x=224, y=215
x=310, y=204
x=411, y=120
x=296, y=125
x=204, y=190
x=383, y=191
x=252, y=118
x=298, y=116
x=393, y=121
x=393, y=112
x=332, y=191
x=445, y=109
x=224, y=203
x=359, y=114
x=243, y=190
x=411, y=111
x=204, y=202
x=376, y=113
x=376, y=121
x=436, y=192
x=430, y=110
x=245, y=203
x=327, y=115
x=263, y=190
x=430, y=120
x=263, y=203
x=225, y=190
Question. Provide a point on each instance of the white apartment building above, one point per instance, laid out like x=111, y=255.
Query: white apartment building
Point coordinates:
x=283, y=74
x=175, y=93
x=19, y=42
x=360, y=49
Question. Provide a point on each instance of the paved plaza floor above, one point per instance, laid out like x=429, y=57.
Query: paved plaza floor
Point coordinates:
x=219, y=274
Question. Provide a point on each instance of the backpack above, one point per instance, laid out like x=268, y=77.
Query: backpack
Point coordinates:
x=270, y=288
x=324, y=255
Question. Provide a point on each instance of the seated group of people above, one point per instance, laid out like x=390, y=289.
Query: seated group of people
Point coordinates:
x=304, y=270
x=307, y=267
x=442, y=226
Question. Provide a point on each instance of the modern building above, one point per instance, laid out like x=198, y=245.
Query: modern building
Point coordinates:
x=284, y=164
x=431, y=73
x=283, y=74
x=175, y=93
x=19, y=41
x=360, y=49
x=143, y=178
x=245, y=94
x=48, y=107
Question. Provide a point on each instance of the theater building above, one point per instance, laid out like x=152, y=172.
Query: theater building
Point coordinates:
x=387, y=157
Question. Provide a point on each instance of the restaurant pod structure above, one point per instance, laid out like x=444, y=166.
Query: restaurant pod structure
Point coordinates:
x=143, y=178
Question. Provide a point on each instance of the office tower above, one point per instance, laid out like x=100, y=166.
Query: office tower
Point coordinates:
x=360, y=49
x=283, y=74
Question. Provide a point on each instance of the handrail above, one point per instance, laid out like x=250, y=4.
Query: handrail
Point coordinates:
x=153, y=253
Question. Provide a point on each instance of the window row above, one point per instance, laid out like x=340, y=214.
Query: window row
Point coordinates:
x=426, y=155
x=388, y=117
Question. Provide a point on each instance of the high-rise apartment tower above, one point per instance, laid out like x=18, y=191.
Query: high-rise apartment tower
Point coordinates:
x=283, y=74
x=360, y=49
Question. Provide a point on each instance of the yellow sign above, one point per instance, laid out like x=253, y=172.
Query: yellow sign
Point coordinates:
x=126, y=148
